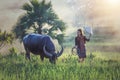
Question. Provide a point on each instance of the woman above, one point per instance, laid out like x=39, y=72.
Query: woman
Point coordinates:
x=80, y=41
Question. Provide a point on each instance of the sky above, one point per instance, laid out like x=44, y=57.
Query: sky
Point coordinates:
x=9, y=12
x=73, y=12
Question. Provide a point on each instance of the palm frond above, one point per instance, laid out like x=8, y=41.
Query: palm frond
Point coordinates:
x=35, y=3
x=27, y=7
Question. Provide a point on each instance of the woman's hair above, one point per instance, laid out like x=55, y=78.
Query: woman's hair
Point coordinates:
x=80, y=30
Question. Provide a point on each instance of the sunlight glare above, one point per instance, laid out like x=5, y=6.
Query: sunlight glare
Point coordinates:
x=113, y=2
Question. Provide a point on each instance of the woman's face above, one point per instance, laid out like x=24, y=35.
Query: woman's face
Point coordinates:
x=78, y=33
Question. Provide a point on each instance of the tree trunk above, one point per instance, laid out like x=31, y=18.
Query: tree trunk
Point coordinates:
x=39, y=30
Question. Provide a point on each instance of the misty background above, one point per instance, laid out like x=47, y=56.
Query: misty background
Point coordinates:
x=75, y=13
x=103, y=17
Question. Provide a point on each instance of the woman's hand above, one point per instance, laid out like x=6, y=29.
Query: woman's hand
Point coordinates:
x=75, y=47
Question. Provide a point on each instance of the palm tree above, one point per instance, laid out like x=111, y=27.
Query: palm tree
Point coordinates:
x=37, y=16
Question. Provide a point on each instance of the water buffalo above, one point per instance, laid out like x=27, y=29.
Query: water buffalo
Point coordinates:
x=40, y=45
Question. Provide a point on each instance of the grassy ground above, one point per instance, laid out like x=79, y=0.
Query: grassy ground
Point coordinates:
x=97, y=66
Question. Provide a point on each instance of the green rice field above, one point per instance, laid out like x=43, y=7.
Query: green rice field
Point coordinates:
x=97, y=66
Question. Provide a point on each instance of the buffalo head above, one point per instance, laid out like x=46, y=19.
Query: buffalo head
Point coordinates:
x=53, y=55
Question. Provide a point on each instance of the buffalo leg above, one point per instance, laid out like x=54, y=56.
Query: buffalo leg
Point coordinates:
x=27, y=54
x=42, y=58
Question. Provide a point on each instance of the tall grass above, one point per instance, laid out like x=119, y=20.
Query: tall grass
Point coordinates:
x=95, y=67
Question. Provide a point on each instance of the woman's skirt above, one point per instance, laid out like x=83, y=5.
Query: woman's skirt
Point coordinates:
x=81, y=53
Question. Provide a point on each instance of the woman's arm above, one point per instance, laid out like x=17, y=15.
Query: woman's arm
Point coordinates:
x=87, y=39
x=75, y=41
x=75, y=47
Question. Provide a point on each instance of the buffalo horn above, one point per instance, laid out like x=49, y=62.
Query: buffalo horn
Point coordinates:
x=47, y=53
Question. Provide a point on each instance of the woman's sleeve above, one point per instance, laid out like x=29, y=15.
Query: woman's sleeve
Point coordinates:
x=75, y=41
